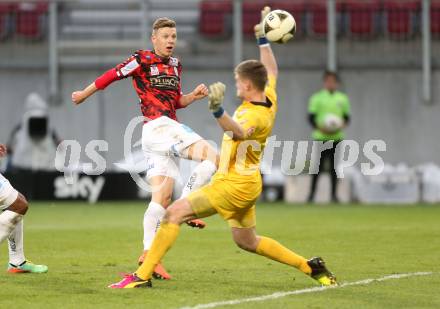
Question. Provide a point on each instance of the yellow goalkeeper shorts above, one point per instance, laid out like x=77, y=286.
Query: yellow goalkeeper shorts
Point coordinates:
x=236, y=206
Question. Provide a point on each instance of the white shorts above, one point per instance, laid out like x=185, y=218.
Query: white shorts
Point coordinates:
x=8, y=195
x=163, y=141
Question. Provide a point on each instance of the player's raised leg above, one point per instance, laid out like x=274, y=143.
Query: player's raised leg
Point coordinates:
x=203, y=152
x=200, y=151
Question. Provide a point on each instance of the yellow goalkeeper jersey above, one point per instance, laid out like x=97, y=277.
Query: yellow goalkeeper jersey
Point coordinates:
x=240, y=160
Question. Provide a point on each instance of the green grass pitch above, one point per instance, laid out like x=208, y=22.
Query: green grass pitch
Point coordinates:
x=87, y=247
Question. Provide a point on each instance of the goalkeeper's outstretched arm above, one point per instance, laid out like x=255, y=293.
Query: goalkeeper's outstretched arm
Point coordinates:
x=268, y=59
x=226, y=122
x=266, y=55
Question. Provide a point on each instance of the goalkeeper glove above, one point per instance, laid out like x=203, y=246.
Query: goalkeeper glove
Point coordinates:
x=216, y=97
x=259, y=28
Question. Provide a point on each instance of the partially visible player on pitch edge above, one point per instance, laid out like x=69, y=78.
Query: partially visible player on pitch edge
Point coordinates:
x=235, y=188
x=157, y=80
x=14, y=206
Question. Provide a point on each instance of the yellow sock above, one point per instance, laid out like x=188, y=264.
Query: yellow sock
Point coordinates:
x=164, y=239
x=274, y=250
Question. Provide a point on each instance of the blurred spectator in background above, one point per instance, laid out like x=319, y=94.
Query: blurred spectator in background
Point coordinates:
x=33, y=143
x=329, y=114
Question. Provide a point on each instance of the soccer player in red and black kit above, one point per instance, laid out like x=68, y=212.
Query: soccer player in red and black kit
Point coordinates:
x=156, y=79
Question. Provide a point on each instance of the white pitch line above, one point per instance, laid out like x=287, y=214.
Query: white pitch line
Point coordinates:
x=304, y=291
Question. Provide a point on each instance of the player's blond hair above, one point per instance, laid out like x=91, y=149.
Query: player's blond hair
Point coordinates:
x=163, y=22
x=254, y=71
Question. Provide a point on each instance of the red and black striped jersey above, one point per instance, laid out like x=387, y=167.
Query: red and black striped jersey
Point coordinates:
x=156, y=81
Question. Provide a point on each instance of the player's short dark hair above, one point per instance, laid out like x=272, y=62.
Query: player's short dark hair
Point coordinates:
x=163, y=22
x=254, y=71
x=329, y=73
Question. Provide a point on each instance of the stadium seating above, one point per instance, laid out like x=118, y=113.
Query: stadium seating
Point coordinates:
x=356, y=18
x=401, y=18
x=363, y=18
x=317, y=19
x=435, y=19
x=213, y=15
x=397, y=19
x=5, y=20
x=31, y=19
x=252, y=15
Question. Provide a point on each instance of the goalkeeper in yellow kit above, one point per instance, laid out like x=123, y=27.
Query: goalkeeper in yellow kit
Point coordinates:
x=236, y=186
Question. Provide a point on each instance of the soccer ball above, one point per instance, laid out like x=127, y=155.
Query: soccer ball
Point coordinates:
x=332, y=123
x=279, y=26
